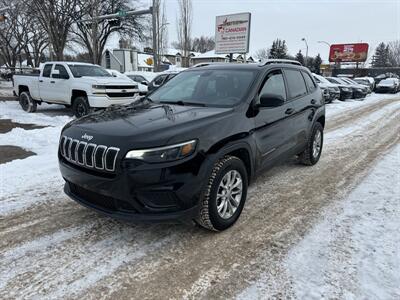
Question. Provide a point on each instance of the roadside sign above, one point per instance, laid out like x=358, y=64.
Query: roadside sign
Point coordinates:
x=357, y=52
x=232, y=33
x=122, y=13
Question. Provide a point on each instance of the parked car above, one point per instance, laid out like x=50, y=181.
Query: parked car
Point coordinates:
x=346, y=92
x=333, y=90
x=142, y=79
x=365, y=87
x=358, y=91
x=189, y=149
x=389, y=85
x=161, y=79
x=82, y=86
x=369, y=81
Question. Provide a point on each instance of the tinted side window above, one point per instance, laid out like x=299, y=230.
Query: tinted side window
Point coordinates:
x=47, y=70
x=309, y=82
x=63, y=71
x=274, y=84
x=296, y=84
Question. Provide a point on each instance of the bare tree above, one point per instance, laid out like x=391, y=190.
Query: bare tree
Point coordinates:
x=56, y=17
x=10, y=44
x=161, y=31
x=184, y=29
x=94, y=35
x=262, y=54
x=394, y=53
x=203, y=44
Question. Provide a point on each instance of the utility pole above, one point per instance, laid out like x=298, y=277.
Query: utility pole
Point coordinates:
x=155, y=29
x=305, y=41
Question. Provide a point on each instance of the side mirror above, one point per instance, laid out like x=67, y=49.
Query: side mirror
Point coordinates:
x=144, y=82
x=271, y=100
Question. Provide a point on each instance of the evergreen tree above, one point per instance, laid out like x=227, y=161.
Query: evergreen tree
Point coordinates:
x=317, y=64
x=278, y=49
x=381, y=57
x=299, y=57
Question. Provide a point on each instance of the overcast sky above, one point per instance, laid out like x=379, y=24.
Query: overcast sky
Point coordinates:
x=340, y=21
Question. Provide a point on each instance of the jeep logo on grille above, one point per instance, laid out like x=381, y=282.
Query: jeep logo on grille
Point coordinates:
x=87, y=137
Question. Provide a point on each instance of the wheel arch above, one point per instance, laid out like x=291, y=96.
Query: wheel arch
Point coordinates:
x=238, y=148
x=23, y=88
x=77, y=93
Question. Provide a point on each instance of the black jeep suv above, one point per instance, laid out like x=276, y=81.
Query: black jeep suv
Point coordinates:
x=189, y=149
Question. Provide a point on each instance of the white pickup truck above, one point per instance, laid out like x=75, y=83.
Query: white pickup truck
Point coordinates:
x=81, y=86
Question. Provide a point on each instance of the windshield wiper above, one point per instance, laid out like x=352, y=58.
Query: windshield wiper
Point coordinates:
x=183, y=103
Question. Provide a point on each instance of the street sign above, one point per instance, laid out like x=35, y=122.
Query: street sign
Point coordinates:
x=232, y=33
x=122, y=13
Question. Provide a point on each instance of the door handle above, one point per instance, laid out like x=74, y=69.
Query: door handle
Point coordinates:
x=289, y=111
x=52, y=82
x=313, y=101
x=40, y=80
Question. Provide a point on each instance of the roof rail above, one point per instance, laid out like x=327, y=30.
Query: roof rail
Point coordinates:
x=279, y=61
x=204, y=64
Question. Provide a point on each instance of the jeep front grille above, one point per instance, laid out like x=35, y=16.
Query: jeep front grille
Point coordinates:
x=89, y=155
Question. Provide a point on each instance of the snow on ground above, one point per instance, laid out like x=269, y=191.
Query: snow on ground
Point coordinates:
x=5, y=88
x=36, y=171
x=353, y=253
x=340, y=107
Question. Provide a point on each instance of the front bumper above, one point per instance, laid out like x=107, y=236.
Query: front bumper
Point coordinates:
x=139, y=193
x=103, y=101
x=385, y=90
x=345, y=95
x=359, y=94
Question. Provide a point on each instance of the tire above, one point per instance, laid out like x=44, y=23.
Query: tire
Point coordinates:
x=209, y=216
x=80, y=106
x=27, y=103
x=309, y=157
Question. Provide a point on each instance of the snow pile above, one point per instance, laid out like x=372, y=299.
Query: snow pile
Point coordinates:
x=21, y=181
x=354, y=253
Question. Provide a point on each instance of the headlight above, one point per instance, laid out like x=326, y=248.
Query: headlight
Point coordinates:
x=345, y=89
x=164, y=154
x=99, y=89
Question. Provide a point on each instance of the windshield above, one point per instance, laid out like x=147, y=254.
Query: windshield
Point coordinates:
x=223, y=88
x=334, y=80
x=321, y=78
x=88, y=70
x=387, y=81
x=362, y=81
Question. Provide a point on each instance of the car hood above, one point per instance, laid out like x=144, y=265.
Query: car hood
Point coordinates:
x=108, y=80
x=145, y=125
x=327, y=85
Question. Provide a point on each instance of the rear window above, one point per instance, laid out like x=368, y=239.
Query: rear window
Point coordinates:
x=296, y=84
x=309, y=82
x=47, y=70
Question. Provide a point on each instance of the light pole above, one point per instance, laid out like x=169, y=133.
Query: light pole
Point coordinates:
x=305, y=41
x=323, y=42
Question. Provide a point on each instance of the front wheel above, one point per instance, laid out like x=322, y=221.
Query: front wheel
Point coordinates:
x=224, y=196
x=80, y=107
x=27, y=103
x=310, y=156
